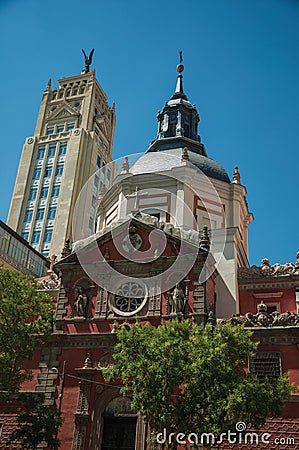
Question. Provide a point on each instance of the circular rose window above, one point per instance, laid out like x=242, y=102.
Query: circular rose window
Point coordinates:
x=129, y=298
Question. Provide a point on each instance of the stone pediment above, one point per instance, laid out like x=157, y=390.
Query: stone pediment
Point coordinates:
x=131, y=237
x=64, y=109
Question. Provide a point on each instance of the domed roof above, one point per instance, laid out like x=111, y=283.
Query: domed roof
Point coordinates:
x=177, y=129
x=168, y=159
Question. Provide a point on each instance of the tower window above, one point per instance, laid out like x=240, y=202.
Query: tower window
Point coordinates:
x=48, y=235
x=70, y=126
x=50, y=130
x=40, y=152
x=55, y=191
x=44, y=192
x=59, y=170
x=48, y=172
x=35, y=237
x=28, y=216
x=40, y=214
x=51, y=213
x=186, y=130
x=36, y=174
x=99, y=161
x=62, y=148
x=25, y=235
x=172, y=129
x=51, y=151
x=60, y=128
x=32, y=194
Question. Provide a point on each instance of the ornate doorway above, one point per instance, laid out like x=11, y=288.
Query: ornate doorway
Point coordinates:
x=119, y=431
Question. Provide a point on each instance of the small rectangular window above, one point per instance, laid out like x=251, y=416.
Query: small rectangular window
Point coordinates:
x=50, y=130
x=51, y=213
x=44, y=192
x=60, y=128
x=40, y=214
x=25, y=235
x=55, y=191
x=32, y=194
x=36, y=174
x=41, y=152
x=99, y=159
x=48, y=235
x=48, y=172
x=51, y=151
x=28, y=216
x=35, y=237
x=62, y=148
x=266, y=364
x=70, y=126
x=59, y=170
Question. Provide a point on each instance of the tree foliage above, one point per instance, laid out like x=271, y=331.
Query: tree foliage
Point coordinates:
x=186, y=379
x=25, y=316
x=37, y=423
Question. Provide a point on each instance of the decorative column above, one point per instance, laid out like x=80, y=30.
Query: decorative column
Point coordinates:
x=82, y=414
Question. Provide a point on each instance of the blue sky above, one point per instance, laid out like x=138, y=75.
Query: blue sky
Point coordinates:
x=241, y=70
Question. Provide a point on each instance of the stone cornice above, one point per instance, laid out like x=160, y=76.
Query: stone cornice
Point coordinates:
x=91, y=340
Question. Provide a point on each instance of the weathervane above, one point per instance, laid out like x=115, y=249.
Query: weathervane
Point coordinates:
x=88, y=60
x=180, y=67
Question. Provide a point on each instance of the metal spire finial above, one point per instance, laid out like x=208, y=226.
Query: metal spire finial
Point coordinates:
x=179, y=91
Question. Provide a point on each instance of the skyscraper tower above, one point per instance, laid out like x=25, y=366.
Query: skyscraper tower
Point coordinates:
x=73, y=139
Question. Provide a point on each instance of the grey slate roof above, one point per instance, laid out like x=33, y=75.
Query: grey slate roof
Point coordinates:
x=167, y=159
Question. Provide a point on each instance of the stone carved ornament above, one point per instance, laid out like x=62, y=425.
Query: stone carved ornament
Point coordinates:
x=263, y=318
x=50, y=283
x=52, y=280
x=265, y=269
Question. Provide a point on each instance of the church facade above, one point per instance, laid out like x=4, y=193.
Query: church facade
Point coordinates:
x=171, y=240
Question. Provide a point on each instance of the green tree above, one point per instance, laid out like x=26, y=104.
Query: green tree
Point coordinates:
x=36, y=423
x=26, y=316
x=185, y=379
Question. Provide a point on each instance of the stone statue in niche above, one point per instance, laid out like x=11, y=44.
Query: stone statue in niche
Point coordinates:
x=176, y=300
x=81, y=303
